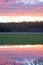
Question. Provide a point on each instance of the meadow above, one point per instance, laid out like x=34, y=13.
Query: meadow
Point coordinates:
x=21, y=38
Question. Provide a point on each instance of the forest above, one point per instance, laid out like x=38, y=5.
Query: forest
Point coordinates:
x=24, y=26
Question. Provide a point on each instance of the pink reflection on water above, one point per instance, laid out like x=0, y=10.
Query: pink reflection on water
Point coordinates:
x=12, y=54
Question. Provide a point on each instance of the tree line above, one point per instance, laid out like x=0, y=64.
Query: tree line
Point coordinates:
x=22, y=27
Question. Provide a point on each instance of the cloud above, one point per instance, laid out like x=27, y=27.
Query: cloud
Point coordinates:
x=22, y=7
x=17, y=4
x=6, y=0
x=40, y=0
x=27, y=2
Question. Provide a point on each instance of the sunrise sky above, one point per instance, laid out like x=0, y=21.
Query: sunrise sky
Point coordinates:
x=21, y=10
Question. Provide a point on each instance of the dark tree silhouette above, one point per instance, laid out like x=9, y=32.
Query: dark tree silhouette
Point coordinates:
x=22, y=27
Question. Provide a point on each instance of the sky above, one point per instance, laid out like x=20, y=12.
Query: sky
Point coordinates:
x=21, y=8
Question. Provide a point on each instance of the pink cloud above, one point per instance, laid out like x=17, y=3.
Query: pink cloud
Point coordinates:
x=7, y=9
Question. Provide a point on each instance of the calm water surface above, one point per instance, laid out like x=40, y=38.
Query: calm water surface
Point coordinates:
x=21, y=55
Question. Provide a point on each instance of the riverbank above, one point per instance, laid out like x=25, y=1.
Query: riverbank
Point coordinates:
x=21, y=38
x=20, y=46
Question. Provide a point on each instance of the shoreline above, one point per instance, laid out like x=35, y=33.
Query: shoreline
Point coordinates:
x=20, y=46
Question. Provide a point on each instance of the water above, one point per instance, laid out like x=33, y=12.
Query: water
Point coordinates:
x=21, y=55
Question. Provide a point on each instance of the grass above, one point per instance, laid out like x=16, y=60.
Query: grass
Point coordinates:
x=21, y=38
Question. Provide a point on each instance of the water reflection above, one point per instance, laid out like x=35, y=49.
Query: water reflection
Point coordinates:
x=21, y=55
